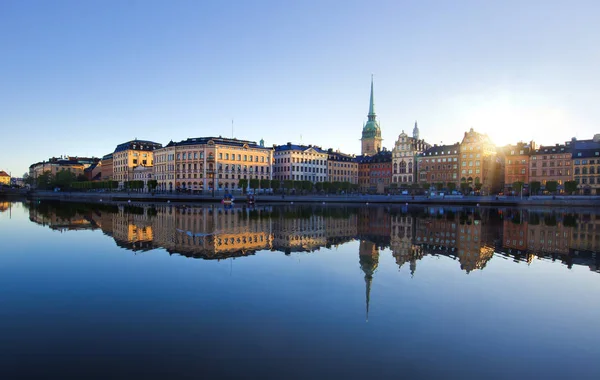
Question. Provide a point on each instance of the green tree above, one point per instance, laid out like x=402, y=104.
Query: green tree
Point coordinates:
x=517, y=186
x=571, y=186
x=288, y=184
x=439, y=186
x=82, y=178
x=319, y=186
x=425, y=185
x=534, y=187
x=265, y=183
x=45, y=180
x=451, y=186
x=243, y=184
x=464, y=187
x=152, y=184
x=551, y=186
x=254, y=183
x=64, y=179
x=275, y=184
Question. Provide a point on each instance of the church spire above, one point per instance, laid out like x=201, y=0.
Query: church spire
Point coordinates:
x=371, y=103
x=416, y=131
x=368, y=281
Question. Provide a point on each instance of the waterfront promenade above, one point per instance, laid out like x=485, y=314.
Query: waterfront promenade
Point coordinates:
x=118, y=197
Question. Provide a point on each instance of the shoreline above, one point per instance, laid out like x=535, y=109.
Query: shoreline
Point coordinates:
x=123, y=197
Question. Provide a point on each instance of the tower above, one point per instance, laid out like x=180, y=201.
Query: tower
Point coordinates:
x=371, y=133
x=416, y=131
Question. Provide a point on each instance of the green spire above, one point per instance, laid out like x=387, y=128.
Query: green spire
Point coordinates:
x=371, y=103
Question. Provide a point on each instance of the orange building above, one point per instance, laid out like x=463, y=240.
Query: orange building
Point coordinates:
x=4, y=178
x=516, y=165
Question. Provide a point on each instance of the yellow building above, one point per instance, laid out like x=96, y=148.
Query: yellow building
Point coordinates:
x=207, y=163
x=54, y=165
x=4, y=178
x=341, y=167
x=480, y=167
x=130, y=155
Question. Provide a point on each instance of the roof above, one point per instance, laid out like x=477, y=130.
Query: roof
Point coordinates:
x=216, y=141
x=290, y=146
x=107, y=157
x=552, y=149
x=136, y=144
x=339, y=156
x=3, y=174
x=441, y=150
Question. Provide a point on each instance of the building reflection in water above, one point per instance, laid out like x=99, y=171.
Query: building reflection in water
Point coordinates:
x=471, y=236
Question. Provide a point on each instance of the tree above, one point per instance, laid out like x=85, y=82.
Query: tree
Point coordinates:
x=265, y=183
x=551, y=186
x=45, y=180
x=82, y=178
x=152, y=184
x=534, y=187
x=464, y=187
x=64, y=179
x=288, y=184
x=439, y=186
x=319, y=186
x=451, y=186
x=571, y=187
x=243, y=184
x=254, y=183
x=425, y=185
x=517, y=186
x=275, y=184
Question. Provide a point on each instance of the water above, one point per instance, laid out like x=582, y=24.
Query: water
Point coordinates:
x=298, y=292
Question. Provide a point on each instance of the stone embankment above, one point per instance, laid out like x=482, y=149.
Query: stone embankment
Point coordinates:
x=118, y=197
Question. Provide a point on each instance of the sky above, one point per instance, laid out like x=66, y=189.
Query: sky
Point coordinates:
x=80, y=77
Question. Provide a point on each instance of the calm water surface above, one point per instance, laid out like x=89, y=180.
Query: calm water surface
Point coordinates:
x=90, y=291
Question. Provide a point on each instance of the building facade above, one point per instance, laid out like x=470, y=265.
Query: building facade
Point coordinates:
x=404, y=158
x=4, y=178
x=54, y=165
x=371, y=133
x=300, y=163
x=439, y=164
x=480, y=166
x=106, y=167
x=375, y=172
x=131, y=154
x=586, y=165
x=211, y=163
x=341, y=167
x=551, y=163
x=516, y=165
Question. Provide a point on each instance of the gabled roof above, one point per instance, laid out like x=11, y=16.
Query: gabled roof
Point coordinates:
x=3, y=174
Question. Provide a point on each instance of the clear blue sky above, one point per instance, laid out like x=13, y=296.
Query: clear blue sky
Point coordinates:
x=80, y=77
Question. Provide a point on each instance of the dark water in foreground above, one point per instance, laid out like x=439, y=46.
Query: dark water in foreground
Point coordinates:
x=298, y=292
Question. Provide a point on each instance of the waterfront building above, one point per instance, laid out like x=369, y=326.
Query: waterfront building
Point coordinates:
x=375, y=172
x=211, y=163
x=404, y=154
x=106, y=167
x=300, y=163
x=551, y=163
x=4, y=178
x=341, y=167
x=516, y=165
x=480, y=166
x=439, y=164
x=144, y=174
x=94, y=171
x=586, y=165
x=131, y=154
x=371, y=133
x=54, y=165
